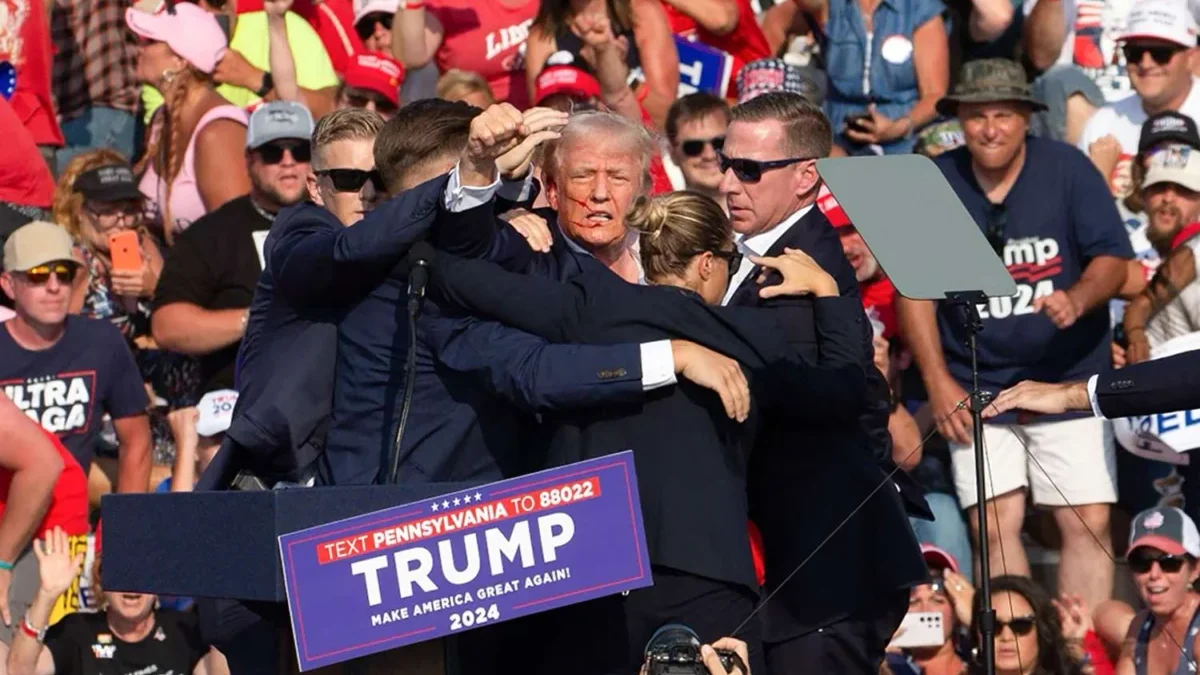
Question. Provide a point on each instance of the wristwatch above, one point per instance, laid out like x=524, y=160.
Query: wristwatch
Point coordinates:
x=268, y=83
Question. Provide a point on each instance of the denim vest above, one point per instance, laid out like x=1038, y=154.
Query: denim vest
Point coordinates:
x=874, y=68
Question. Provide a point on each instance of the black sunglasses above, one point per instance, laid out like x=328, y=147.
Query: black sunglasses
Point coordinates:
x=695, y=147
x=1020, y=625
x=352, y=180
x=366, y=27
x=995, y=227
x=272, y=153
x=1160, y=54
x=39, y=275
x=752, y=170
x=734, y=258
x=360, y=99
x=1141, y=560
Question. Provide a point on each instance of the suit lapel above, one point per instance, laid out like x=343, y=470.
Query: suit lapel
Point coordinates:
x=798, y=236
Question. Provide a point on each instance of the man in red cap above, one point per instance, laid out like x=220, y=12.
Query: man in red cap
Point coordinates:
x=372, y=82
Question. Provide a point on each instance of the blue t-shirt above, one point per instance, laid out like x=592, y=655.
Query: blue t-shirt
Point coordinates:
x=1060, y=216
x=69, y=387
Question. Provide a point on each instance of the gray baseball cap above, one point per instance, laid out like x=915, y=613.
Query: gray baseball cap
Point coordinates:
x=278, y=120
x=1167, y=529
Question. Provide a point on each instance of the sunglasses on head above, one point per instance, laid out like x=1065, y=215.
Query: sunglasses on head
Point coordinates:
x=1160, y=54
x=752, y=170
x=1020, y=625
x=39, y=275
x=272, y=153
x=695, y=147
x=352, y=180
x=996, y=226
x=366, y=27
x=1141, y=560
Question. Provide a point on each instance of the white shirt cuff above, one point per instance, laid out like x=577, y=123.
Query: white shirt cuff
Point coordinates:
x=658, y=365
x=517, y=190
x=461, y=197
x=1092, y=396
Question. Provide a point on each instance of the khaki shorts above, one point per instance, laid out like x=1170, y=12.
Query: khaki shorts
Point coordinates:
x=1076, y=462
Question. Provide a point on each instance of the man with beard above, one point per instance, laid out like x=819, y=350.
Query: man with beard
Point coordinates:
x=1170, y=306
x=203, y=298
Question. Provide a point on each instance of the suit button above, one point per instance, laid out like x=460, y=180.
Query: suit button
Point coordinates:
x=611, y=374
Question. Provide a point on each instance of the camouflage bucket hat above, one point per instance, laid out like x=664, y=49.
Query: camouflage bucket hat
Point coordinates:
x=989, y=81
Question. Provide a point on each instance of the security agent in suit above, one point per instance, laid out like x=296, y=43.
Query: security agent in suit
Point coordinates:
x=476, y=384
x=824, y=471
x=1159, y=386
x=691, y=459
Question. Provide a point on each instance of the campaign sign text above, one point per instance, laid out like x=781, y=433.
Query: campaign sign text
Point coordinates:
x=420, y=571
x=702, y=68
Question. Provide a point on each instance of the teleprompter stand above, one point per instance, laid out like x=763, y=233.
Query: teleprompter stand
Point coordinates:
x=931, y=249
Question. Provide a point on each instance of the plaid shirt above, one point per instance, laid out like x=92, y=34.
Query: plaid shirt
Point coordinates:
x=95, y=57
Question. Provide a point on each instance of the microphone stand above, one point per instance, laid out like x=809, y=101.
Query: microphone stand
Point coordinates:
x=967, y=303
x=418, y=276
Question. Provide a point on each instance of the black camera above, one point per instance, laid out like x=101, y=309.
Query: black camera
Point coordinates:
x=675, y=650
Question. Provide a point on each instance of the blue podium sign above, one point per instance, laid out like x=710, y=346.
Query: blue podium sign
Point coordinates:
x=702, y=68
x=421, y=571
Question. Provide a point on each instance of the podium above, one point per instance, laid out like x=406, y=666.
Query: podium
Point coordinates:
x=225, y=544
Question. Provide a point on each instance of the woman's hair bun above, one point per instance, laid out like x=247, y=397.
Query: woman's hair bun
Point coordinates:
x=649, y=215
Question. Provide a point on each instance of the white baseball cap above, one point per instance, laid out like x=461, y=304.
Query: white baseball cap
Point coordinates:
x=1176, y=163
x=1169, y=20
x=364, y=7
x=216, y=412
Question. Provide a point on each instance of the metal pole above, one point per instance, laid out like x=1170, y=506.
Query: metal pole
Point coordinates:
x=983, y=600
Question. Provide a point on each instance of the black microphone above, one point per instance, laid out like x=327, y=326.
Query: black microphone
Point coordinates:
x=419, y=258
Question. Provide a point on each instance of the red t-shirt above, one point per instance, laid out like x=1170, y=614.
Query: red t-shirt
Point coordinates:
x=333, y=20
x=486, y=38
x=879, y=298
x=24, y=177
x=745, y=43
x=69, y=500
x=25, y=42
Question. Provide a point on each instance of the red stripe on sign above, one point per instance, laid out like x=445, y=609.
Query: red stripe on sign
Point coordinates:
x=486, y=513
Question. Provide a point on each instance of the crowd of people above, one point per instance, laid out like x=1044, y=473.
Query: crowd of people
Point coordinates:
x=206, y=209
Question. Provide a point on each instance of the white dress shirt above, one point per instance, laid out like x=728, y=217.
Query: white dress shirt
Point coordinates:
x=758, y=245
x=658, y=362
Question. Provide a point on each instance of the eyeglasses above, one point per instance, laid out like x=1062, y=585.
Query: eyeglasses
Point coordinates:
x=1020, y=625
x=694, y=147
x=352, y=180
x=995, y=227
x=1141, y=560
x=751, y=170
x=114, y=210
x=366, y=27
x=1160, y=54
x=272, y=153
x=39, y=275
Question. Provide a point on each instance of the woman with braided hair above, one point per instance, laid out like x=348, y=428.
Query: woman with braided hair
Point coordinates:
x=194, y=161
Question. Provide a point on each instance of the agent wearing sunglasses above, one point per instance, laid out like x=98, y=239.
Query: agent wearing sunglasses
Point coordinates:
x=696, y=130
x=771, y=186
x=203, y=299
x=1163, y=547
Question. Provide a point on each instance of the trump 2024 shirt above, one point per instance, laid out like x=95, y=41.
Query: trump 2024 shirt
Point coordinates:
x=68, y=387
x=1060, y=216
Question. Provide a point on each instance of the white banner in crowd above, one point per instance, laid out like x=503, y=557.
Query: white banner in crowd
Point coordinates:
x=1163, y=437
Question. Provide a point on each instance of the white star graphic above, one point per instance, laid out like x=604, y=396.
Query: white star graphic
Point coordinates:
x=435, y=505
x=466, y=499
x=445, y=504
x=457, y=501
x=478, y=496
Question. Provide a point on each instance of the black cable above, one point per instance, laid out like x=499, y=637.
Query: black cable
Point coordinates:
x=410, y=366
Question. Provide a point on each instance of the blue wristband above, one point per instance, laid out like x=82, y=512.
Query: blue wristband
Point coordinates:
x=6, y=566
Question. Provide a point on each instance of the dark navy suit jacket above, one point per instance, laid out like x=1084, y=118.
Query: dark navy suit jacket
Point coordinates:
x=1162, y=385
x=807, y=479
x=476, y=387
x=691, y=459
